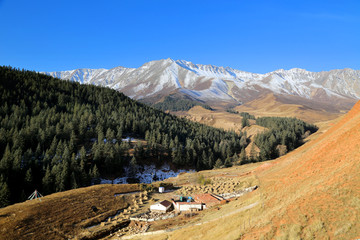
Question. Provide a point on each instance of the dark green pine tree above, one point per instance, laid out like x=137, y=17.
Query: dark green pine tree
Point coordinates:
x=4, y=194
x=48, y=182
x=243, y=157
x=218, y=163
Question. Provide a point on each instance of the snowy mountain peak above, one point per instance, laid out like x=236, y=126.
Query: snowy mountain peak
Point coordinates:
x=214, y=83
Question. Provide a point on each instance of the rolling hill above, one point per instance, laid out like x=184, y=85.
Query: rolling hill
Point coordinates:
x=310, y=193
x=58, y=135
x=281, y=106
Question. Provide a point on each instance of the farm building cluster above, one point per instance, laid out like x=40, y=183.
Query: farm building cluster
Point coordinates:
x=196, y=203
x=169, y=208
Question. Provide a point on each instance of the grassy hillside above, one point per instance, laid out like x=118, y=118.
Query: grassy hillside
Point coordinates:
x=57, y=135
x=281, y=106
x=64, y=215
x=310, y=193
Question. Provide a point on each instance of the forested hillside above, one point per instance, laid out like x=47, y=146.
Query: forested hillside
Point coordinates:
x=57, y=135
x=284, y=135
x=173, y=103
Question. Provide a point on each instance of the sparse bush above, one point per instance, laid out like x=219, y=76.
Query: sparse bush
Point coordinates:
x=148, y=187
x=166, y=185
x=315, y=230
x=203, y=181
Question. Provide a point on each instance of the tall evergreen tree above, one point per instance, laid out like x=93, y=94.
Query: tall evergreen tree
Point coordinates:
x=4, y=194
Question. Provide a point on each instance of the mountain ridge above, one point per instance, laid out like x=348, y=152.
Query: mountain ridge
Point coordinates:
x=214, y=84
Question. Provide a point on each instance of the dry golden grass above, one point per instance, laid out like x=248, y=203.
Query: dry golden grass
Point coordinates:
x=269, y=105
x=218, y=118
x=311, y=193
x=272, y=106
x=253, y=130
x=62, y=215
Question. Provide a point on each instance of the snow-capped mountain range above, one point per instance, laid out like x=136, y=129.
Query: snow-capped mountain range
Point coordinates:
x=210, y=83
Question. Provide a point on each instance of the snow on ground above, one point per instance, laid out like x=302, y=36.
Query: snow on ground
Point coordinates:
x=147, y=174
x=129, y=139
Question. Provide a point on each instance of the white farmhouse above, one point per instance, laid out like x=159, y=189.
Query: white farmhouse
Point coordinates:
x=163, y=206
x=188, y=206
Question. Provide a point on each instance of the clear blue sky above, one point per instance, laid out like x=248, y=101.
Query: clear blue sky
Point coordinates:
x=250, y=35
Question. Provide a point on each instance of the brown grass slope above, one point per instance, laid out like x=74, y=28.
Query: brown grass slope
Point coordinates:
x=62, y=215
x=217, y=118
x=311, y=193
x=315, y=191
x=281, y=106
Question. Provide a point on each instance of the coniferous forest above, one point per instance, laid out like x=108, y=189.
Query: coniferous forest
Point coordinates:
x=57, y=135
x=284, y=135
x=177, y=104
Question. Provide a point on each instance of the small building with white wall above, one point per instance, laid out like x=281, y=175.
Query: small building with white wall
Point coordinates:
x=163, y=206
x=188, y=206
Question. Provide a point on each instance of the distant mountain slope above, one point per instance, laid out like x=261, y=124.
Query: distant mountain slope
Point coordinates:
x=310, y=193
x=214, y=84
x=280, y=106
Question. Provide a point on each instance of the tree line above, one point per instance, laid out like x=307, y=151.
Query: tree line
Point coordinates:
x=57, y=135
x=284, y=135
x=174, y=103
x=245, y=117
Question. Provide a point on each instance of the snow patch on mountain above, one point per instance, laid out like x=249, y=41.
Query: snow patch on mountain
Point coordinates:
x=208, y=82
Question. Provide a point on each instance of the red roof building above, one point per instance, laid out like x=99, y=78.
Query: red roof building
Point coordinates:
x=206, y=198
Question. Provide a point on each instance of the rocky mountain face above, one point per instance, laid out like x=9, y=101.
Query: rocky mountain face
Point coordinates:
x=212, y=84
